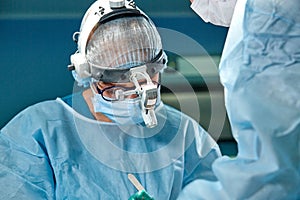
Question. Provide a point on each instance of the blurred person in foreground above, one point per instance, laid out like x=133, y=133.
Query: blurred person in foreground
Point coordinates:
x=260, y=71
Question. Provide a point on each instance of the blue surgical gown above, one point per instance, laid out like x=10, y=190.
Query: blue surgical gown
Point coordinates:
x=52, y=151
x=260, y=70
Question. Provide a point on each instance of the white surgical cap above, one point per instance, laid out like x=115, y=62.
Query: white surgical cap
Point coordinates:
x=123, y=43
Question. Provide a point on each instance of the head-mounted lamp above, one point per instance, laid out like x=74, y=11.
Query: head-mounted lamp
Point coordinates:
x=107, y=74
x=99, y=13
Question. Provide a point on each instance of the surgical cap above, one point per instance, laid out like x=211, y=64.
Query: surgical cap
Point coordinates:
x=123, y=43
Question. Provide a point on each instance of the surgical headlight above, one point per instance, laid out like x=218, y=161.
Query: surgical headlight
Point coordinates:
x=108, y=75
x=101, y=12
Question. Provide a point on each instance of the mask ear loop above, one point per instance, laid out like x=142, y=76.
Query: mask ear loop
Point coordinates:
x=92, y=85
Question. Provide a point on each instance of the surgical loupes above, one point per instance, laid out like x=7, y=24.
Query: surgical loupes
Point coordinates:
x=148, y=94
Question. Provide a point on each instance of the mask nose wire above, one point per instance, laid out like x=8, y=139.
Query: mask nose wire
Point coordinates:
x=92, y=87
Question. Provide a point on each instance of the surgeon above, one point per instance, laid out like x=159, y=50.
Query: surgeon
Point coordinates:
x=260, y=71
x=113, y=138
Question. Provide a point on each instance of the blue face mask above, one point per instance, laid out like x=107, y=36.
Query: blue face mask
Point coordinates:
x=121, y=112
x=127, y=111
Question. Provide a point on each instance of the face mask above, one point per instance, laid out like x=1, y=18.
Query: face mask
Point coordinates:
x=217, y=12
x=127, y=111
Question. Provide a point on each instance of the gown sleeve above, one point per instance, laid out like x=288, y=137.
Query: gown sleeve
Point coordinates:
x=200, y=156
x=25, y=170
